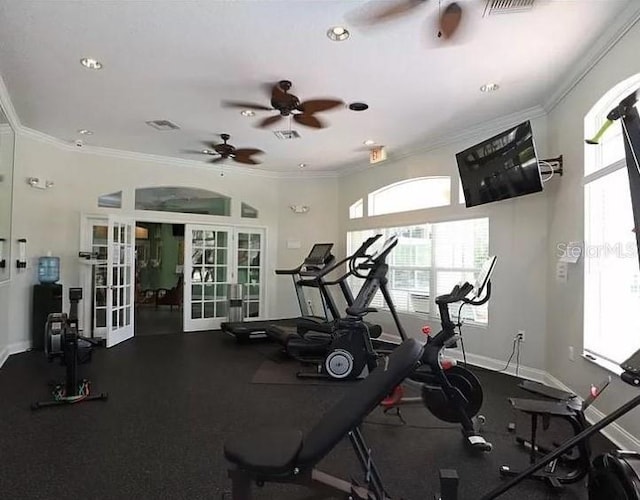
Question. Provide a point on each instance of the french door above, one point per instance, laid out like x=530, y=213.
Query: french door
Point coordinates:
x=208, y=269
x=120, y=277
x=249, y=245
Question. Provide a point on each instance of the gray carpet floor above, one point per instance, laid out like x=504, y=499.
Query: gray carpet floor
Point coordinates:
x=175, y=399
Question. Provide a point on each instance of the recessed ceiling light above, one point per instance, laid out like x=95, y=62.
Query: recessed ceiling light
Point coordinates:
x=369, y=142
x=84, y=131
x=302, y=165
x=489, y=87
x=338, y=33
x=358, y=106
x=90, y=63
x=248, y=112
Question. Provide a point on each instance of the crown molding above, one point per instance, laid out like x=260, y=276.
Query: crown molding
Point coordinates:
x=7, y=106
x=626, y=20
x=229, y=168
x=622, y=24
x=434, y=142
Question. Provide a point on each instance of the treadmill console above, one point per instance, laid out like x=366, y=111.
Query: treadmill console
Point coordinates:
x=318, y=257
x=631, y=367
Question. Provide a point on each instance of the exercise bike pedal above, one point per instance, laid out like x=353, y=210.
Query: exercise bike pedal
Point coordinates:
x=478, y=443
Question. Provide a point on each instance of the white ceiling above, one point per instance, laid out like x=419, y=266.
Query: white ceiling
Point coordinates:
x=178, y=60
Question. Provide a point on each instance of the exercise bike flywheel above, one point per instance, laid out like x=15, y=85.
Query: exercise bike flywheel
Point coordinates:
x=465, y=382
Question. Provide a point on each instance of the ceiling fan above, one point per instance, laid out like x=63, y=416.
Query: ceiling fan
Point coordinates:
x=287, y=104
x=375, y=12
x=225, y=151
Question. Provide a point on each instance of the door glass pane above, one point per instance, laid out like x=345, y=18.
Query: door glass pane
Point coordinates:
x=222, y=239
x=209, y=310
x=114, y=319
x=196, y=292
x=221, y=309
x=196, y=310
x=99, y=235
x=101, y=297
x=209, y=257
x=209, y=292
x=128, y=316
x=221, y=274
x=255, y=241
x=221, y=257
x=243, y=240
x=101, y=318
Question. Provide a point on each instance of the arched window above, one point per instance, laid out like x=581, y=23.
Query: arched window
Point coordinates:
x=411, y=194
x=611, y=294
x=356, y=211
x=183, y=200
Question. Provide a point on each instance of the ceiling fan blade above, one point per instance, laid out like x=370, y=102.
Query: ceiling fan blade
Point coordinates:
x=245, y=160
x=209, y=145
x=317, y=105
x=372, y=12
x=449, y=20
x=309, y=121
x=247, y=152
x=219, y=159
x=245, y=105
x=269, y=121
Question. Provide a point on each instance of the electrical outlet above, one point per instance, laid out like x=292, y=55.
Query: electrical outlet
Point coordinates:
x=520, y=336
x=572, y=353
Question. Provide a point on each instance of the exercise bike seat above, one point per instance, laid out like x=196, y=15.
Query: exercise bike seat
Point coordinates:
x=271, y=453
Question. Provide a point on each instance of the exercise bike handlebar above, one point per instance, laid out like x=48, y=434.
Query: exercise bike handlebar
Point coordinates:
x=460, y=292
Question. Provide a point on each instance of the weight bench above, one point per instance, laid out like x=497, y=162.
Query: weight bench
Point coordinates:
x=288, y=456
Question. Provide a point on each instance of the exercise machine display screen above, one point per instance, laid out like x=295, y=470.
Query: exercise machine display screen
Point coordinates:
x=318, y=254
x=484, y=275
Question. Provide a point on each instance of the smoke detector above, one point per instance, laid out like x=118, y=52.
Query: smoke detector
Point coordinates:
x=507, y=6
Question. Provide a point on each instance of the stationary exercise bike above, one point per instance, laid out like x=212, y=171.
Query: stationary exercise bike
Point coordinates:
x=63, y=341
x=452, y=393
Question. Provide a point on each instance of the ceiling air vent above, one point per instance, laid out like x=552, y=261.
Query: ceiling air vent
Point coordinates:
x=162, y=125
x=507, y=6
x=287, y=134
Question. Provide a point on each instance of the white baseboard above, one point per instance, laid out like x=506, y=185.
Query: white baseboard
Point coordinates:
x=623, y=439
x=18, y=347
x=498, y=365
x=615, y=433
x=4, y=355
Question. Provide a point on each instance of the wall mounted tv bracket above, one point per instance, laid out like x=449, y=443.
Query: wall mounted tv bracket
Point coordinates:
x=552, y=166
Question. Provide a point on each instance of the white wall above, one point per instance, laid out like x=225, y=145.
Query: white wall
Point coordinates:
x=566, y=223
x=518, y=236
x=50, y=220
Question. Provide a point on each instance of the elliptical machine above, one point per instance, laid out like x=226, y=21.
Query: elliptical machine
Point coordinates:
x=62, y=340
x=349, y=352
x=452, y=393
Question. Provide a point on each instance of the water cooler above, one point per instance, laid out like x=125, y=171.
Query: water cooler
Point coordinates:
x=47, y=298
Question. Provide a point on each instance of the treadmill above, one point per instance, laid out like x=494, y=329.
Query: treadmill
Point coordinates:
x=319, y=257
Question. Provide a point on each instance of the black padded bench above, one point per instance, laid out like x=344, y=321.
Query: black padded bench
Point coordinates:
x=289, y=456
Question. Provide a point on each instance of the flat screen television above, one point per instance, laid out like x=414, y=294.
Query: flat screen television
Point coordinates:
x=499, y=168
